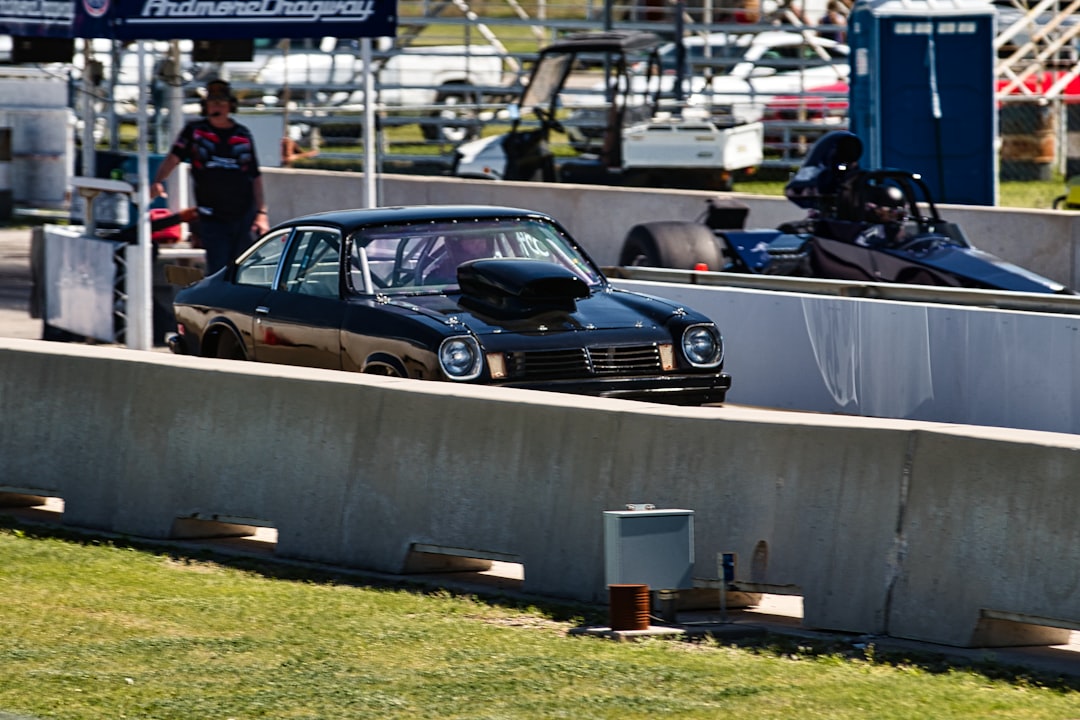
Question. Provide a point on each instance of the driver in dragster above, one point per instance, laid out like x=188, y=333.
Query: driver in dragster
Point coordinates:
x=862, y=225
x=844, y=202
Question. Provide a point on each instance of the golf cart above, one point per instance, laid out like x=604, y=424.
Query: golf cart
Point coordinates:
x=648, y=140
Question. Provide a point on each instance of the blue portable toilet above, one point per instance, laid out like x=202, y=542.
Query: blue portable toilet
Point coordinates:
x=922, y=93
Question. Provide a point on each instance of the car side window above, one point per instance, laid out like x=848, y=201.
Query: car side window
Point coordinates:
x=258, y=266
x=312, y=267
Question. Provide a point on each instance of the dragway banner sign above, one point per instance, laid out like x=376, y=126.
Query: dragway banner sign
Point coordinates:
x=199, y=19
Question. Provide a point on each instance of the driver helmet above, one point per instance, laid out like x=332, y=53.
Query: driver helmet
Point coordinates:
x=885, y=203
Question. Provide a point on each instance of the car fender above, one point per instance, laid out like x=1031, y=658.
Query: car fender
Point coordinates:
x=483, y=159
x=377, y=362
x=978, y=269
x=212, y=333
x=661, y=310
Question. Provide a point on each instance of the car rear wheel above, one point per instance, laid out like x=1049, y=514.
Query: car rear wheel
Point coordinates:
x=228, y=347
x=672, y=244
x=457, y=119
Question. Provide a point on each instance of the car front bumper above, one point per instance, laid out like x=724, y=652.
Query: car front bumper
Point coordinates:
x=666, y=389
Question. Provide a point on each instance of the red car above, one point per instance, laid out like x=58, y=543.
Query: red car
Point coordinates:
x=829, y=103
x=795, y=121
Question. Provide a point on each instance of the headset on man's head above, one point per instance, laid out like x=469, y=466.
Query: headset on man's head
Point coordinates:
x=223, y=87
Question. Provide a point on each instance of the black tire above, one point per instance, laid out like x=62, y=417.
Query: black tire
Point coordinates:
x=672, y=244
x=229, y=347
x=447, y=131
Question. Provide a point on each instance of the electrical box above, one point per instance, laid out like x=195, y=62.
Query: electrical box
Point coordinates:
x=922, y=93
x=649, y=547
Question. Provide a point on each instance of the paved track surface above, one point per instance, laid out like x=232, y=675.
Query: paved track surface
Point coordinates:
x=776, y=614
x=16, y=286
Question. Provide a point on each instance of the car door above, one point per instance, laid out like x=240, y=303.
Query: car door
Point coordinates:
x=255, y=277
x=299, y=321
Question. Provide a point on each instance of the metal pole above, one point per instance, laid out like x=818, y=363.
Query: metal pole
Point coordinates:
x=114, y=70
x=139, y=332
x=680, y=53
x=88, y=158
x=177, y=198
x=370, y=189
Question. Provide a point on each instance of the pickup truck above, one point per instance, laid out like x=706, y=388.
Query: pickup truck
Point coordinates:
x=332, y=74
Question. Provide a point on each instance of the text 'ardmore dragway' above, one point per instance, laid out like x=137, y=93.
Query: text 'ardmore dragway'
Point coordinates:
x=37, y=9
x=359, y=10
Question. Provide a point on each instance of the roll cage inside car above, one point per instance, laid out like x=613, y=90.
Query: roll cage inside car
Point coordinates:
x=423, y=258
x=303, y=259
x=919, y=213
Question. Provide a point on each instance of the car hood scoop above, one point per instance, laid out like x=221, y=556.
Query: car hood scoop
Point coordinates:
x=519, y=288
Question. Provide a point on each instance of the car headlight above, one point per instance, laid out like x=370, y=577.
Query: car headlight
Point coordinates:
x=460, y=357
x=702, y=346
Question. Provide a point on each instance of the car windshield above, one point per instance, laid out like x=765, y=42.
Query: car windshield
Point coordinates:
x=696, y=55
x=423, y=258
x=546, y=80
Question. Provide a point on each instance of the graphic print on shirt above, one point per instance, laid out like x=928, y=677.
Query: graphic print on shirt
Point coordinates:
x=236, y=153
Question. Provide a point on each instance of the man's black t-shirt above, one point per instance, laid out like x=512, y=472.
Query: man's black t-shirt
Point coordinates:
x=223, y=166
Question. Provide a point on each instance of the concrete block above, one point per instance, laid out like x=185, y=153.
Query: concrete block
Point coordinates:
x=988, y=527
x=955, y=535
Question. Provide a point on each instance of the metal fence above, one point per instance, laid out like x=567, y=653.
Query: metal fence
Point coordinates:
x=1038, y=135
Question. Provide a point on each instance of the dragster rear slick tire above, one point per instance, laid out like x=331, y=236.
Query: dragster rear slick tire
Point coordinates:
x=678, y=245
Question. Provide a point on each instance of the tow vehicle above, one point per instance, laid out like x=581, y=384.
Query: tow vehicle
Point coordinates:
x=647, y=141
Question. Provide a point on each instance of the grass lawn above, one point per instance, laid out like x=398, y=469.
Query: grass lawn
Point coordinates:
x=1036, y=194
x=93, y=629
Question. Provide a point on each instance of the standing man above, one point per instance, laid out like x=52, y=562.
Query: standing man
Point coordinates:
x=225, y=170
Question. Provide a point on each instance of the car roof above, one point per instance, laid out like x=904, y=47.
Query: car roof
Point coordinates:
x=766, y=37
x=614, y=41
x=351, y=219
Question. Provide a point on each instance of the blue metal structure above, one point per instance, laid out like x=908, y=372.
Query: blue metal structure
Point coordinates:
x=922, y=93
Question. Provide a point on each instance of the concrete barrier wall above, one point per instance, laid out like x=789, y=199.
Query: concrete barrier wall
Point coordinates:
x=1044, y=241
x=881, y=358
x=886, y=526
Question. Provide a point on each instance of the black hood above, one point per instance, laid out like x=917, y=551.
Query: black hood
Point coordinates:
x=519, y=288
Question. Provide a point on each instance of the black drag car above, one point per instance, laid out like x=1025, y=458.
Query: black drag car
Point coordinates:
x=470, y=294
x=863, y=225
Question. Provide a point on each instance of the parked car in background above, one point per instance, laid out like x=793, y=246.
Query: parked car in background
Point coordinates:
x=825, y=108
x=764, y=65
x=793, y=122
x=330, y=72
x=738, y=73
x=466, y=294
x=730, y=77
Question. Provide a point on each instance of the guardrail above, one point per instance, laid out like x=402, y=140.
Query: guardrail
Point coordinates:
x=1028, y=302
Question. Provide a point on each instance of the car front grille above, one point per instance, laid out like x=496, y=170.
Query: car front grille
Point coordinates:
x=584, y=362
